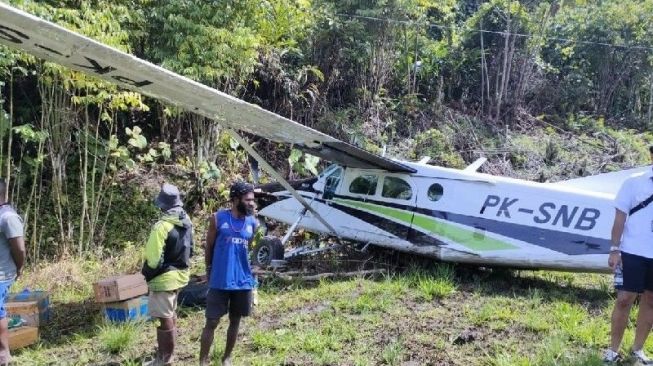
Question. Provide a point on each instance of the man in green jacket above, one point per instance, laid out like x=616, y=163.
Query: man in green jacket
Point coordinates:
x=166, y=268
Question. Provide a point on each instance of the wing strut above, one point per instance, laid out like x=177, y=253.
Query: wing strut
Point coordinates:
x=267, y=167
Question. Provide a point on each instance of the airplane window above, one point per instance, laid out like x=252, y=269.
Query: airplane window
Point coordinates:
x=435, y=192
x=331, y=184
x=365, y=184
x=396, y=188
x=333, y=180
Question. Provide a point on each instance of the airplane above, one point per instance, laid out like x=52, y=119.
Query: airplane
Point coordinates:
x=446, y=214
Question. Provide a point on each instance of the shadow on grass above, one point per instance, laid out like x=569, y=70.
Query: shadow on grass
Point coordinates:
x=68, y=320
x=524, y=283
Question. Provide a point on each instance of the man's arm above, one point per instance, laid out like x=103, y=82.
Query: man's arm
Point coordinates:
x=617, y=232
x=211, y=234
x=18, y=253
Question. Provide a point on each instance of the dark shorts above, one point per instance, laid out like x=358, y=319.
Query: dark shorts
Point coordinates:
x=233, y=302
x=638, y=273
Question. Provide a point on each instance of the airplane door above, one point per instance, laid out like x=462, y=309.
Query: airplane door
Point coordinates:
x=319, y=198
x=331, y=184
x=426, y=204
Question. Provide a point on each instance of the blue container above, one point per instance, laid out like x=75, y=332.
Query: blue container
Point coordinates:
x=129, y=310
x=42, y=299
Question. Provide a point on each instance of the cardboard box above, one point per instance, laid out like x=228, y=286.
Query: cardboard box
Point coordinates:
x=129, y=310
x=31, y=306
x=23, y=337
x=120, y=288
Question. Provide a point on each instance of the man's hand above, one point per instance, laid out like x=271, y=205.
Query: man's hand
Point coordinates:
x=614, y=260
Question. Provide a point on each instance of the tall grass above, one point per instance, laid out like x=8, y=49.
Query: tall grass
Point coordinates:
x=117, y=338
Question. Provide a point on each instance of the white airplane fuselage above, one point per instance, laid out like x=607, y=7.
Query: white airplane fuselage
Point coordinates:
x=460, y=216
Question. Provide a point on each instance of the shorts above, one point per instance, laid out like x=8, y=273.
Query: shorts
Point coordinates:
x=637, y=272
x=163, y=304
x=234, y=302
x=4, y=291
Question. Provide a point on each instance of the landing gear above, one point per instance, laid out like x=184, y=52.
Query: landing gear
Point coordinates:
x=268, y=249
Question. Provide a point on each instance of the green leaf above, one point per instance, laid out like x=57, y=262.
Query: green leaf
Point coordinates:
x=310, y=163
x=165, y=150
x=130, y=164
x=138, y=141
x=113, y=142
x=106, y=117
x=294, y=157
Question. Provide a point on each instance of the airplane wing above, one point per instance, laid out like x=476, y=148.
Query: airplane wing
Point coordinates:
x=603, y=183
x=51, y=42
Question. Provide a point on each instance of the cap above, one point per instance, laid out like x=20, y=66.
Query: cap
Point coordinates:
x=169, y=197
x=239, y=189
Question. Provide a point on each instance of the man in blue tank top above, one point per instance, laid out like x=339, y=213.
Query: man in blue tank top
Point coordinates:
x=227, y=268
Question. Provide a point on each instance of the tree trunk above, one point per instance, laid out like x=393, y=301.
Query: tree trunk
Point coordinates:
x=504, y=73
x=482, y=70
x=10, y=133
x=650, y=104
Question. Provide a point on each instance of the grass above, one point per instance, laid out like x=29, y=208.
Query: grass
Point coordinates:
x=117, y=338
x=393, y=353
x=516, y=318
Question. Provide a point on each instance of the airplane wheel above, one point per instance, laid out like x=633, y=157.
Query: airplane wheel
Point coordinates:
x=268, y=249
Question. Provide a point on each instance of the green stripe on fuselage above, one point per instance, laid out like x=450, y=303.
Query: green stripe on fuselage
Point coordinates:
x=467, y=238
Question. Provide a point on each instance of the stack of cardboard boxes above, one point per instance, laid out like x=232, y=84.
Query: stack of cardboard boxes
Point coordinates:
x=122, y=298
x=27, y=310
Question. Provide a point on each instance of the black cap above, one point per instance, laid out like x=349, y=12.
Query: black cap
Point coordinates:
x=240, y=189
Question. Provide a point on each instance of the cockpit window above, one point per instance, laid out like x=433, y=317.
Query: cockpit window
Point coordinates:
x=396, y=188
x=332, y=181
x=364, y=184
x=329, y=170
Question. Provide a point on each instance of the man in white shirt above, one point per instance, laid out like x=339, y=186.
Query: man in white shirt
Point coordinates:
x=632, y=250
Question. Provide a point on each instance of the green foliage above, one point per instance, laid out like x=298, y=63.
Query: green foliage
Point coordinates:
x=587, y=70
x=554, y=155
x=130, y=205
x=435, y=144
x=302, y=163
x=135, y=138
x=27, y=133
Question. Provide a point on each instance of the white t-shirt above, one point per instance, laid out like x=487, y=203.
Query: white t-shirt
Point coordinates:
x=637, y=238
